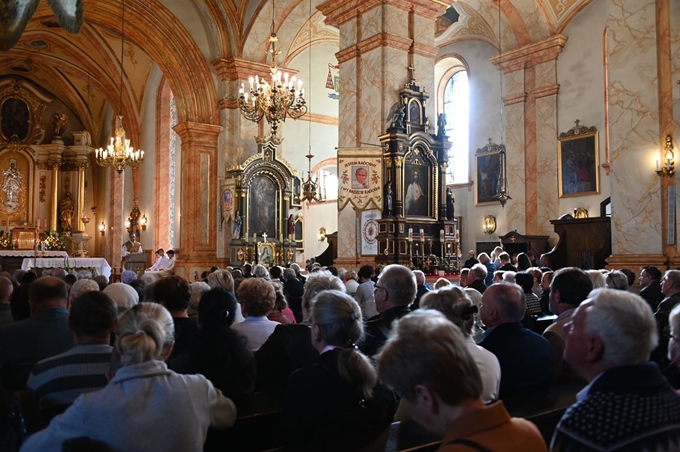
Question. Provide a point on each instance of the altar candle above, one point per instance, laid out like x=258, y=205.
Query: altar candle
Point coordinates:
x=255, y=238
x=422, y=234
x=45, y=228
x=410, y=234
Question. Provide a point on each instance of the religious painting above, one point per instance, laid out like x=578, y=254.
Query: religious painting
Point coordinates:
x=414, y=109
x=488, y=175
x=577, y=158
x=16, y=186
x=263, y=205
x=297, y=191
x=265, y=253
x=416, y=190
x=227, y=204
x=15, y=119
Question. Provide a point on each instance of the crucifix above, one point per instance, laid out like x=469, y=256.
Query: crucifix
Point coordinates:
x=264, y=236
x=413, y=70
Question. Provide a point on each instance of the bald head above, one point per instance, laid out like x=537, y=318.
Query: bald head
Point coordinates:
x=502, y=303
x=6, y=289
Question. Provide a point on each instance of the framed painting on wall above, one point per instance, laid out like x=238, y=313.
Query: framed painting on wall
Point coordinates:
x=577, y=162
x=488, y=174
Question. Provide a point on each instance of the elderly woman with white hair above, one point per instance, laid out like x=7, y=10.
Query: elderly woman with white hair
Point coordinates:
x=124, y=295
x=145, y=406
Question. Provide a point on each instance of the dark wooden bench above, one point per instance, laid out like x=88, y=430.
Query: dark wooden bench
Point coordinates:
x=256, y=428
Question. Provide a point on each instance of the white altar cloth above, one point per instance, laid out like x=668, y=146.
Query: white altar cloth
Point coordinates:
x=31, y=253
x=98, y=263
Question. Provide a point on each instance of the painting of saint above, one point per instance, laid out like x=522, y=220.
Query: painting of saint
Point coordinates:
x=263, y=202
x=416, y=197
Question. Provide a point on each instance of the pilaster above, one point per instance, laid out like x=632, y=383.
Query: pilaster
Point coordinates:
x=199, y=197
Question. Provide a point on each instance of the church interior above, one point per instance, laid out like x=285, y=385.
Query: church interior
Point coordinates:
x=415, y=131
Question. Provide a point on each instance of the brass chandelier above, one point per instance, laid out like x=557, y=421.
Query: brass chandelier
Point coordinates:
x=275, y=99
x=119, y=153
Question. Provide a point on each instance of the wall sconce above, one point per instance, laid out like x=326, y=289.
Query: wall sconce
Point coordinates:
x=142, y=222
x=128, y=225
x=489, y=224
x=85, y=219
x=102, y=228
x=668, y=168
x=322, y=234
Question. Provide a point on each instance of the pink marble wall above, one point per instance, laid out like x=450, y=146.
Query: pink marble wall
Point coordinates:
x=634, y=132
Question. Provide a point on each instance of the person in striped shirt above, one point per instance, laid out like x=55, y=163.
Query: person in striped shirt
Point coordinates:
x=59, y=380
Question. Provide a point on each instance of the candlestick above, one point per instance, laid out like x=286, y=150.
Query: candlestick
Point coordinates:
x=410, y=234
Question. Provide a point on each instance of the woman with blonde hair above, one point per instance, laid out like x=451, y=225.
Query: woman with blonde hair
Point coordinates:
x=335, y=404
x=143, y=395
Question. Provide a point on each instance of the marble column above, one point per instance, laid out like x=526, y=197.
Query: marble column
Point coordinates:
x=379, y=41
x=198, y=208
x=116, y=233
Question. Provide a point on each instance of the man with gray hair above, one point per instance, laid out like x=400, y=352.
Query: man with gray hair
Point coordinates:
x=525, y=357
x=422, y=288
x=476, y=278
x=628, y=404
x=394, y=292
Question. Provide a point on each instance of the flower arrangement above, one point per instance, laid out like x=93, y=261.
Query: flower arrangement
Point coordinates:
x=53, y=241
x=5, y=240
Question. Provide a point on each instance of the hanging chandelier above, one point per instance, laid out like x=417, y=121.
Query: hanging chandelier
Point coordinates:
x=119, y=153
x=275, y=99
x=311, y=191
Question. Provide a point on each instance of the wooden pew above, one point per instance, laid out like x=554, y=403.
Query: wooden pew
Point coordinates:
x=256, y=428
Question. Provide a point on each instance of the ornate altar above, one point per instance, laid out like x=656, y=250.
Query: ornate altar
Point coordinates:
x=418, y=228
x=265, y=189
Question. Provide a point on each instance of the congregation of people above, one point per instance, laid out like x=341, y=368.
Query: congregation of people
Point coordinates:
x=153, y=363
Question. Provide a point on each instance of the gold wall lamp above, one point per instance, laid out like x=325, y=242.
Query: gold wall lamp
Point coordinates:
x=668, y=168
x=489, y=224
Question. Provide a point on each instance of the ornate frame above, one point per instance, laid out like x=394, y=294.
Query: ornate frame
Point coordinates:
x=420, y=158
x=262, y=258
x=488, y=174
x=578, y=162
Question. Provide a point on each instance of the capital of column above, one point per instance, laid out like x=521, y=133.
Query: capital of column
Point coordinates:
x=338, y=13
x=536, y=53
x=197, y=133
x=232, y=69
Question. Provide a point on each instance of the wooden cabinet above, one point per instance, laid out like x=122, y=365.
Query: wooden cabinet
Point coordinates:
x=514, y=242
x=584, y=243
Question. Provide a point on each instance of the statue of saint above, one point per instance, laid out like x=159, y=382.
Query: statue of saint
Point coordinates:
x=441, y=125
x=388, y=209
x=450, y=211
x=236, y=227
x=399, y=116
x=11, y=185
x=59, y=124
x=291, y=226
x=67, y=209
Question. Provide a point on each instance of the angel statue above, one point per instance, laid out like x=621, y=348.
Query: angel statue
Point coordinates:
x=59, y=123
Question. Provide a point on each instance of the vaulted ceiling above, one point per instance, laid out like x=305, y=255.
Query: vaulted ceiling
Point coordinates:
x=184, y=37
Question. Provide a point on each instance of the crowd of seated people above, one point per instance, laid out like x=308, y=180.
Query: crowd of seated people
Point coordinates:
x=447, y=357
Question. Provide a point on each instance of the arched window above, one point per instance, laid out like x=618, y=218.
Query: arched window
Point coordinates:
x=456, y=106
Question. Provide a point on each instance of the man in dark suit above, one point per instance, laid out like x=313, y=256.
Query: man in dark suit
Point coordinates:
x=476, y=277
x=650, y=280
x=525, y=357
x=505, y=263
x=394, y=292
x=670, y=287
x=421, y=290
x=46, y=333
x=472, y=260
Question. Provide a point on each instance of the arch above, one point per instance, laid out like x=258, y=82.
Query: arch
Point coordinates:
x=165, y=39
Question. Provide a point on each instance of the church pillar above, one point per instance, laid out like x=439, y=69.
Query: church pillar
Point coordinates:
x=640, y=118
x=199, y=198
x=116, y=234
x=530, y=101
x=379, y=42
